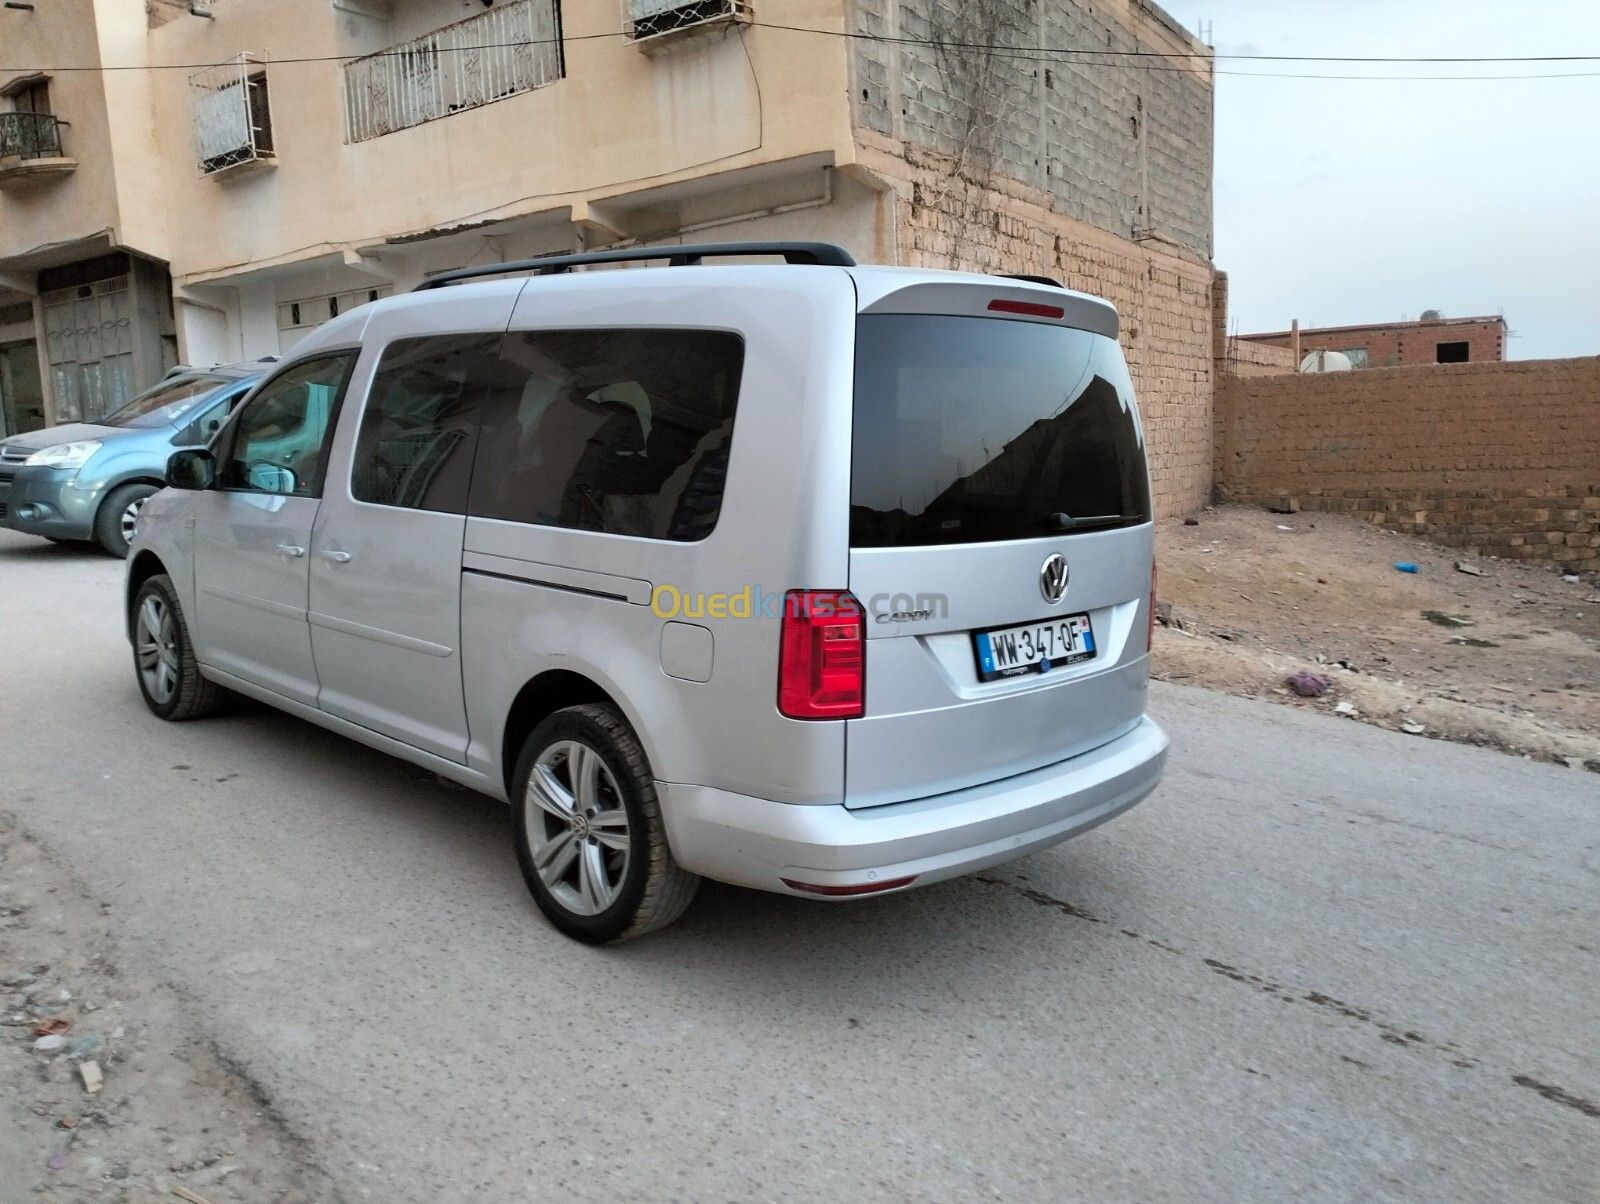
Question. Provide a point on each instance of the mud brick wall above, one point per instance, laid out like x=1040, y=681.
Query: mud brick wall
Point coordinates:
x=1244, y=358
x=1502, y=459
x=1161, y=291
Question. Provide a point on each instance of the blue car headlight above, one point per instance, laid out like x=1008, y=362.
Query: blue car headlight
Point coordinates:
x=64, y=455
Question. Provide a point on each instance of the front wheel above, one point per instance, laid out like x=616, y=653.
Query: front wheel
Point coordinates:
x=589, y=834
x=113, y=526
x=163, y=656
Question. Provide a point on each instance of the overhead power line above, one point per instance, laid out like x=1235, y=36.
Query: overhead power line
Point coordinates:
x=1099, y=52
x=1140, y=60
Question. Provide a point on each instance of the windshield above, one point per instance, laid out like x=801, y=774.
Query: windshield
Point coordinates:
x=969, y=430
x=166, y=403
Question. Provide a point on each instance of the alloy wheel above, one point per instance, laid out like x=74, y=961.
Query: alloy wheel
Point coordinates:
x=130, y=518
x=577, y=827
x=157, y=644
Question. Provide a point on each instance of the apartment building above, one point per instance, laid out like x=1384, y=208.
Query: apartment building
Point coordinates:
x=276, y=163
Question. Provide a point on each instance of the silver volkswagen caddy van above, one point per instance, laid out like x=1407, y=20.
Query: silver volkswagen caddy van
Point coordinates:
x=821, y=579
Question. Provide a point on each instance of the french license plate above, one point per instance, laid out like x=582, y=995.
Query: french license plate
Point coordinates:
x=1033, y=647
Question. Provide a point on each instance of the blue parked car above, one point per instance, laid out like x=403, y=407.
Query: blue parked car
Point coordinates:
x=88, y=480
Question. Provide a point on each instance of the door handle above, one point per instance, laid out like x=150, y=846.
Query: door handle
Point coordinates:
x=335, y=555
x=289, y=549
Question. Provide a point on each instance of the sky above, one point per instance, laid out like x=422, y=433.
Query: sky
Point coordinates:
x=1342, y=202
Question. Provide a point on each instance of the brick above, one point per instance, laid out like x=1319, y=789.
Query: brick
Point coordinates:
x=1501, y=454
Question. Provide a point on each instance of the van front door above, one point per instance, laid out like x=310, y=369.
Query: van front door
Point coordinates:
x=253, y=532
x=386, y=553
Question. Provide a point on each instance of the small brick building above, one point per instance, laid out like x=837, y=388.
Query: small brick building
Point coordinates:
x=1402, y=344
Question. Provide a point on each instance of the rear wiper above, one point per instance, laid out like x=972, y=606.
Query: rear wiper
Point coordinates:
x=1066, y=522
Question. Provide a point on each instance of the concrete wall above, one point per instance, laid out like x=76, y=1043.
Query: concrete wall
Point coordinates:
x=1115, y=145
x=56, y=209
x=1403, y=343
x=1500, y=458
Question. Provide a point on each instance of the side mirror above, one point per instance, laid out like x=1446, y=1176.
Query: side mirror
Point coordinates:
x=192, y=468
x=272, y=478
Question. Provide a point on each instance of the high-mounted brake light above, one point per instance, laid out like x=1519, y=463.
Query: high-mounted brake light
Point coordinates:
x=822, y=655
x=1031, y=308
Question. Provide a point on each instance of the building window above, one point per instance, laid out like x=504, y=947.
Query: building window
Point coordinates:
x=1452, y=353
x=300, y=317
x=1356, y=355
x=232, y=117
x=28, y=130
x=32, y=98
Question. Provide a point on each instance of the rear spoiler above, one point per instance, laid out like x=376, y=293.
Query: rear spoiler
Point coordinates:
x=973, y=296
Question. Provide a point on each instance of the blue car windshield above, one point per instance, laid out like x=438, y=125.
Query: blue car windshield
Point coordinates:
x=166, y=403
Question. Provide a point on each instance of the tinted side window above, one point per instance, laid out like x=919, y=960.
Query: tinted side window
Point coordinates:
x=208, y=422
x=279, y=442
x=623, y=431
x=415, y=444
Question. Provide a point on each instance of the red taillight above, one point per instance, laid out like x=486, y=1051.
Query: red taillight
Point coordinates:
x=1150, y=631
x=860, y=888
x=1032, y=308
x=822, y=657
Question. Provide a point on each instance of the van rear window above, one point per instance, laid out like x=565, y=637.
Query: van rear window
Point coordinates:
x=971, y=430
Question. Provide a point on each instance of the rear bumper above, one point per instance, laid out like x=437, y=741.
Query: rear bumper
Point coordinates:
x=756, y=842
x=47, y=501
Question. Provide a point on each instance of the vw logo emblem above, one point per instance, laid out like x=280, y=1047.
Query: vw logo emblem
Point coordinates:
x=1053, y=578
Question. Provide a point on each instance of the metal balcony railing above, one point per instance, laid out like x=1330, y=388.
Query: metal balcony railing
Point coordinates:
x=657, y=19
x=512, y=48
x=29, y=136
x=231, y=114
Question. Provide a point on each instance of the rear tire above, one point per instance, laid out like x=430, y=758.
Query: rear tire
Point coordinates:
x=163, y=656
x=113, y=526
x=590, y=839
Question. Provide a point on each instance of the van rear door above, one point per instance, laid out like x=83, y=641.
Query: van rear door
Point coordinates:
x=1001, y=544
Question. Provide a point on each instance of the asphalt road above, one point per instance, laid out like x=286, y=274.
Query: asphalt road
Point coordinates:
x=1324, y=962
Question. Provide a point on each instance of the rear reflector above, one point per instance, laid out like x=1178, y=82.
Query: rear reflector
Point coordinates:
x=822, y=655
x=1150, y=629
x=1031, y=308
x=861, y=888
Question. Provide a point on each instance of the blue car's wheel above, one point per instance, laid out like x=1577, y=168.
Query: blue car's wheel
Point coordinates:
x=113, y=526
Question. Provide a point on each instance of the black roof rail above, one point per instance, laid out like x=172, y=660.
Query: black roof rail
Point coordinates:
x=825, y=254
x=1053, y=283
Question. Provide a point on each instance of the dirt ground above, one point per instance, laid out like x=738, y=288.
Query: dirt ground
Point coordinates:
x=1508, y=659
x=171, y=1116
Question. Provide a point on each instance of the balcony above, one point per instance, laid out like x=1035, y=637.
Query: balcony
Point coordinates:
x=652, y=23
x=232, y=117
x=510, y=49
x=30, y=147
